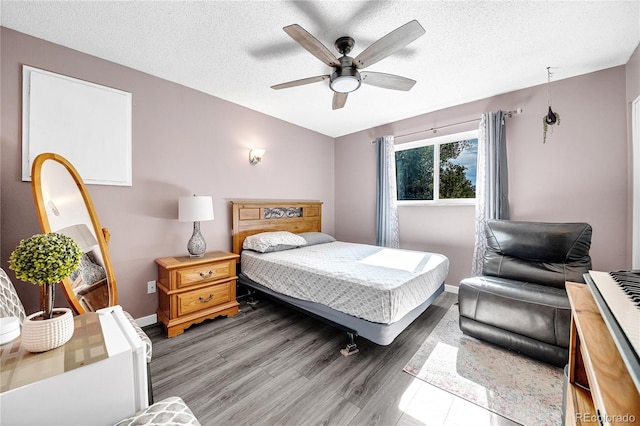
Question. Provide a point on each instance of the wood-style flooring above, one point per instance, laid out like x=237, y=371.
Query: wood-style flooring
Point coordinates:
x=273, y=365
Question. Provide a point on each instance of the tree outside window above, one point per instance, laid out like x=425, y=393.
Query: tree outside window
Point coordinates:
x=414, y=173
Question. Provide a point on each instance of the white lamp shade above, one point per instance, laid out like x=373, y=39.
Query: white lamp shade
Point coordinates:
x=195, y=208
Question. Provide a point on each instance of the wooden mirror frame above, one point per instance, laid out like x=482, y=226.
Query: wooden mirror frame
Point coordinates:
x=82, y=199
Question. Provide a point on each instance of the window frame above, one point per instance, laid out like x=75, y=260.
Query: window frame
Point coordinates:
x=436, y=142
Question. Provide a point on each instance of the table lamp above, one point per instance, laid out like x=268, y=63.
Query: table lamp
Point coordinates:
x=195, y=209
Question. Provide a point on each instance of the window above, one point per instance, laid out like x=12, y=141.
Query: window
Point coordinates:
x=418, y=181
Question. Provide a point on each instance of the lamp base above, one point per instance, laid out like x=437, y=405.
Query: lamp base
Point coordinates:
x=196, y=246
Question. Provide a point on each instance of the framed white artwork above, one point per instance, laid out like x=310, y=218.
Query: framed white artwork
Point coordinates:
x=88, y=124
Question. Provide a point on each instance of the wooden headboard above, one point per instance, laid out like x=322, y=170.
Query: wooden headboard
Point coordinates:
x=255, y=216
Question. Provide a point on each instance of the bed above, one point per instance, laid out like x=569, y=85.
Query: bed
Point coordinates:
x=367, y=291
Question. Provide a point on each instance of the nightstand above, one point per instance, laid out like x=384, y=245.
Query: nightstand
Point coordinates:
x=191, y=290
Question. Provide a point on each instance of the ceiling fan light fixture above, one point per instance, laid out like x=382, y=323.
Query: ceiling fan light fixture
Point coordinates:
x=345, y=84
x=345, y=80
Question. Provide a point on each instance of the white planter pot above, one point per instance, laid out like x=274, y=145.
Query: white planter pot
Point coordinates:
x=44, y=335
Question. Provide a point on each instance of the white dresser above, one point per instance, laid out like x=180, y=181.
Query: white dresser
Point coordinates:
x=97, y=378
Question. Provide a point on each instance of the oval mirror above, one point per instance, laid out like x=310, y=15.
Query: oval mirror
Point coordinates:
x=64, y=205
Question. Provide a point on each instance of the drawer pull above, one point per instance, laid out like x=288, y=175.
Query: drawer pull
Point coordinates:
x=207, y=275
x=208, y=299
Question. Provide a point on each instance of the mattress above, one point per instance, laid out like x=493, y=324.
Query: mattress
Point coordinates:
x=374, y=283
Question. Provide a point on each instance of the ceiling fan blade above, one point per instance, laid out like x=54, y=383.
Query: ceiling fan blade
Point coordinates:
x=300, y=82
x=395, y=40
x=309, y=42
x=339, y=99
x=387, y=81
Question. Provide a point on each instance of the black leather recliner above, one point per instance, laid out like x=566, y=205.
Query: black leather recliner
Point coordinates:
x=520, y=301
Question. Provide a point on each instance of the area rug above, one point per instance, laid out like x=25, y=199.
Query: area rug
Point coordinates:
x=514, y=386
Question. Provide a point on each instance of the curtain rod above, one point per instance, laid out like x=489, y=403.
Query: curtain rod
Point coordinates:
x=508, y=114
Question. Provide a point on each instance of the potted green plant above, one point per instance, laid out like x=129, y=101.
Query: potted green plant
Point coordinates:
x=550, y=119
x=44, y=260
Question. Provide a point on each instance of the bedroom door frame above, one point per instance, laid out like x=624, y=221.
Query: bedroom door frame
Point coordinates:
x=635, y=186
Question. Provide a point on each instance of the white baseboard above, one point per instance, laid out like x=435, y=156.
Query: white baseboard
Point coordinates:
x=148, y=320
x=451, y=288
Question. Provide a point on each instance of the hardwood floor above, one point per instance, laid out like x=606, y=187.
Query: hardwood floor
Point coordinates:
x=274, y=365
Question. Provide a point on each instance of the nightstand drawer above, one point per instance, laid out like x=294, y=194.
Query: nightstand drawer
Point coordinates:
x=199, y=274
x=193, y=301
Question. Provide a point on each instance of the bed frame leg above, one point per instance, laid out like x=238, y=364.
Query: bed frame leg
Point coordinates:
x=252, y=302
x=351, y=348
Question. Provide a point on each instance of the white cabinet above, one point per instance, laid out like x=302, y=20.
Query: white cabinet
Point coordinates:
x=97, y=378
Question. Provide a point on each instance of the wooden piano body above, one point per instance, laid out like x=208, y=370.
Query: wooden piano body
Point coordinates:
x=602, y=383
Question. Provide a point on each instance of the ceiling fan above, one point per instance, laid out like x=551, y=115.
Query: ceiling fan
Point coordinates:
x=347, y=75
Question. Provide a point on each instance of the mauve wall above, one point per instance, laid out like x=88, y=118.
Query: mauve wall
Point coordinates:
x=184, y=142
x=633, y=77
x=580, y=174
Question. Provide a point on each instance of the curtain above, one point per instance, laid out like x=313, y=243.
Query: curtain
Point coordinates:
x=387, y=232
x=492, y=181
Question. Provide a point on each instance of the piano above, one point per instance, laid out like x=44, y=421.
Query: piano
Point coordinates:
x=602, y=383
x=617, y=295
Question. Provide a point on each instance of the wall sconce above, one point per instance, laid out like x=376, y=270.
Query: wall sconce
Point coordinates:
x=195, y=209
x=255, y=156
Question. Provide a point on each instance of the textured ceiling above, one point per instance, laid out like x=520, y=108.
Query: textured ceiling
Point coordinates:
x=236, y=50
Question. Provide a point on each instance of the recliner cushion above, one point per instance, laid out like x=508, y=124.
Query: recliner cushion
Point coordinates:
x=542, y=351
x=537, y=252
x=528, y=309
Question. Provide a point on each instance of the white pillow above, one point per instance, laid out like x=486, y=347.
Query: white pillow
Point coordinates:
x=266, y=242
